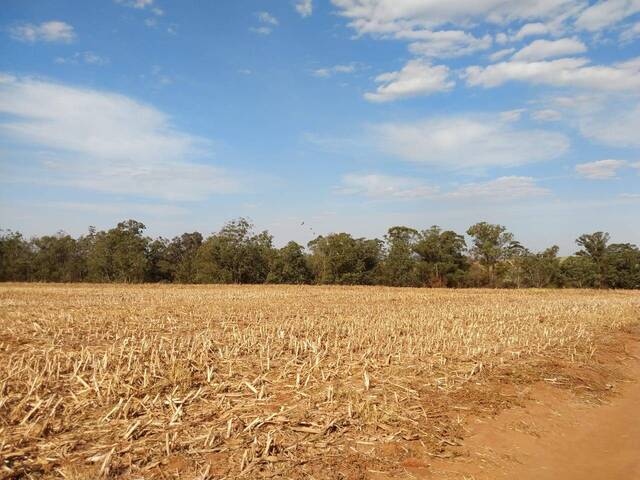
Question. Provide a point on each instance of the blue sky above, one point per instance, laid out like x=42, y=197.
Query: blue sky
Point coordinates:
x=347, y=115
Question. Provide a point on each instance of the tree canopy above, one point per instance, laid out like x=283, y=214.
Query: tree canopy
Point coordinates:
x=405, y=257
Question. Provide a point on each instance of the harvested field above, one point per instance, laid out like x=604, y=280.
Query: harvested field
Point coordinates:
x=277, y=382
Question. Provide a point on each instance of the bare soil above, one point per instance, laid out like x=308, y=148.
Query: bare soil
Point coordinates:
x=556, y=434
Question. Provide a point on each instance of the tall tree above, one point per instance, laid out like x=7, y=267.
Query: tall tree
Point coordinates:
x=16, y=257
x=594, y=247
x=289, y=266
x=341, y=259
x=235, y=255
x=442, y=259
x=57, y=258
x=491, y=244
x=399, y=267
x=119, y=255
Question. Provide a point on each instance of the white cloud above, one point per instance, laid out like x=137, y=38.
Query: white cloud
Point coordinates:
x=541, y=49
x=531, y=30
x=52, y=31
x=468, y=142
x=268, y=22
x=512, y=115
x=600, y=170
x=630, y=33
x=388, y=187
x=388, y=16
x=500, y=54
x=327, y=72
x=266, y=17
x=604, y=14
x=564, y=72
x=502, y=188
x=547, y=115
x=90, y=58
x=139, y=4
x=103, y=141
x=617, y=126
x=416, y=78
x=304, y=8
x=385, y=186
x=445, y=43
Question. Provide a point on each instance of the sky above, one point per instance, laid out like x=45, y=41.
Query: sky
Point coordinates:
x=318, y=116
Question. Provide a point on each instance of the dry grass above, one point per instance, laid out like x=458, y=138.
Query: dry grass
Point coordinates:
x=280, y=382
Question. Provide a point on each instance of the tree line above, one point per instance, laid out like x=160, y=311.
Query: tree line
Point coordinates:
x=237, y=254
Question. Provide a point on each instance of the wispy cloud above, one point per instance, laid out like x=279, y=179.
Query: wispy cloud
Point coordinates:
x=104, y=142
x=468, y=142
x=89, y=58
x=52, y=31
x=600, y=170
x=267, y=21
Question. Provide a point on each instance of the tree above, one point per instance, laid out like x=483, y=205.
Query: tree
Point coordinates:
x=341, y=259
x=399, y=266
x=16, y=257
x=234, y=255
x=622, y=266
x=491, y=244
x=594, y=247
x=57, y=258
x=180, y=257
x=442, y=259
x=119, y=255
x=289, y=266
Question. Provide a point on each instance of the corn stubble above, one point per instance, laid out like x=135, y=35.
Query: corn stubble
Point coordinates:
x=259, y=381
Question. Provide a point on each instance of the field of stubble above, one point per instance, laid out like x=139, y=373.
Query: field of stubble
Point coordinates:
x=274, y=382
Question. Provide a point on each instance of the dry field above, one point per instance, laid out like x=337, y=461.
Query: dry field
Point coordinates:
x=275, y=382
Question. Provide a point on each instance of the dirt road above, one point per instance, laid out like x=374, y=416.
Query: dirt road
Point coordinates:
x=556, y=436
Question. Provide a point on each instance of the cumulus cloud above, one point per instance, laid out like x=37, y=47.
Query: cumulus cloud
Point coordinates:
x=304, y=8
x=445, y=43
x=379, y=186
x=564, y=72
x=468, y=142
x=52, y=31
x=105, y=142
x=600, y=170
x=604, y=14
x=541, y=49
x=388, y=16
x=417, y=77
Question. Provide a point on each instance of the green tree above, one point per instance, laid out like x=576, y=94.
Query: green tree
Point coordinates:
x=119, y=255
x=399, y=268
x=16, y=257
x=289, y=266
x=234, y=255
x=491, y=245
x=623, y=266
x=442, y=257
x=341, y=259
x=58, y=258
x=594, y=247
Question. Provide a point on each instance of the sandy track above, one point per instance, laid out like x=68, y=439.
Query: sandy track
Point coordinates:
x=556, y=436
